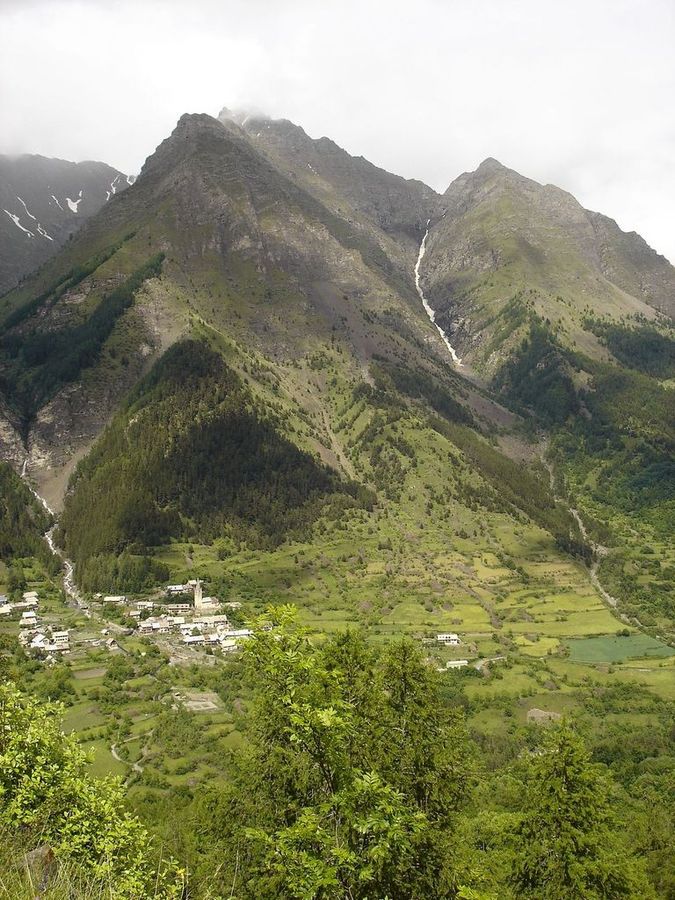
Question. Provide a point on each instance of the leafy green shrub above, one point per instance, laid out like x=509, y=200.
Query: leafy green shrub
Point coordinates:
x=46, y=797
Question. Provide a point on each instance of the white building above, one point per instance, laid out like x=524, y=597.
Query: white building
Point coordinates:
x=27, y=603
x=193, y=639
x=115, y=600
x=38, y=642
x=211, y=621
x=61, y=639
x=450, y=639
x=160, y=624
x=28, y=619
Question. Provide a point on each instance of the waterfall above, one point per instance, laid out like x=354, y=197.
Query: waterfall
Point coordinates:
x=425, y=302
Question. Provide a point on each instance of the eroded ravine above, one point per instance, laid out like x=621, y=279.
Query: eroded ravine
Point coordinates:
x=69, y=586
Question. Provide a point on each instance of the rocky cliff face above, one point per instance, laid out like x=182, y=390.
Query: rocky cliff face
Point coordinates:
x=393, y=210
x=42, y=203
x=629, y=262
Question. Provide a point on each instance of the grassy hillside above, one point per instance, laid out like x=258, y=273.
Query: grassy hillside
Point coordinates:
x=264, y=405
x=613, y=442
x=500, y=237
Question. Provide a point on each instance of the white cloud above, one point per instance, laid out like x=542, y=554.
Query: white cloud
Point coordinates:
x=578, y=94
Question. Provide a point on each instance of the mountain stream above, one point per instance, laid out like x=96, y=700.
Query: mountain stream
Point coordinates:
x=425, y=303
x=68, y=569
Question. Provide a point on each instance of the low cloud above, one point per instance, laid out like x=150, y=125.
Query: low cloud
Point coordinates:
x=577, y=94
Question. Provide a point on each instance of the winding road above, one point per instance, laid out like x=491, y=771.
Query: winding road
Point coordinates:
x=136, y=767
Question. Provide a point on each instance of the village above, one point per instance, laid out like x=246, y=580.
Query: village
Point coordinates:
x=33, y=635
x=185, y=612
x=182, y=613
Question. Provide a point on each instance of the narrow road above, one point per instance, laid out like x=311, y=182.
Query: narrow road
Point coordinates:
x=598, y=552
x=136, y=767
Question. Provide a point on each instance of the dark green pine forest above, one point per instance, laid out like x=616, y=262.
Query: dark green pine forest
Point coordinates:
x=191, y=455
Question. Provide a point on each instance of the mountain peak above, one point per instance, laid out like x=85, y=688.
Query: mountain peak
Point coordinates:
x=491, y=166
x=242, y=116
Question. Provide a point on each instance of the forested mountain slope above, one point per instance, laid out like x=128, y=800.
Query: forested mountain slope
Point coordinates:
x=291, y=264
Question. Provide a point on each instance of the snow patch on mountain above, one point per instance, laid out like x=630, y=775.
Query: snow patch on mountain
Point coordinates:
x=113, y=188
x=18, y=224
x=73, y=204
x=28, y=212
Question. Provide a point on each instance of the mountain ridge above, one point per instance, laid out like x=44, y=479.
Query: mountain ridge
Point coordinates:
x=43, y=201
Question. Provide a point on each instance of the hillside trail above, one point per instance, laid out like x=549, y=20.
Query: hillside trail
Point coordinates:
x=69, y=586
x=425, y=303
x=335, y=445
x=598, y=550
x=135, y=766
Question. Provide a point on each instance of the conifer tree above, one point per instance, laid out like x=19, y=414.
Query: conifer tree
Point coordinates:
x=567, y=845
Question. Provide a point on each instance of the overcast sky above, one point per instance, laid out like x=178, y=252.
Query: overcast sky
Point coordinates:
x=580, y=93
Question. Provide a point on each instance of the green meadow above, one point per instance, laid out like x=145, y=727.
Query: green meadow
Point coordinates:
x=610, y=649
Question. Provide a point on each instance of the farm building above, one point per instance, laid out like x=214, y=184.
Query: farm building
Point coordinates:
x=193, y=639
x=449, y=638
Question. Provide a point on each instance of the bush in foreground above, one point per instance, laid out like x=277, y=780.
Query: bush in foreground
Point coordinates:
x=47, y=798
